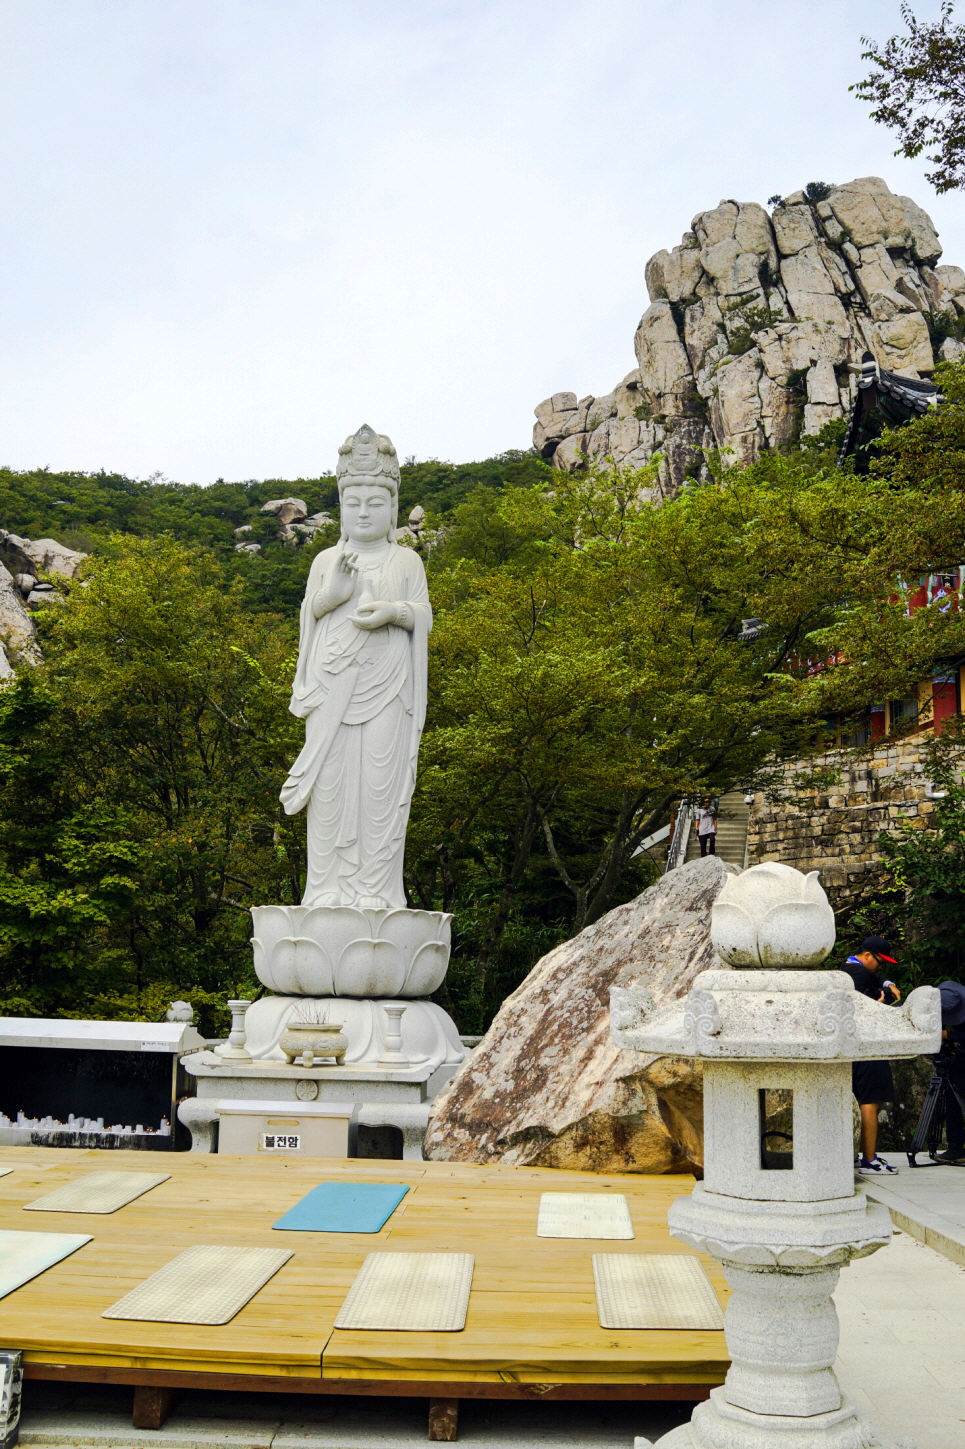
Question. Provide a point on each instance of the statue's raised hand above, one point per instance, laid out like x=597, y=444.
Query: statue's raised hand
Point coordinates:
x=341, y=585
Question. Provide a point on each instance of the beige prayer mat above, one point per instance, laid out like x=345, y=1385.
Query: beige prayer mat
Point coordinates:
x=24, y=1255
x=584, y=1215
x=654, y=1290
x=201, y=1285
x=97, y=1192
x=410, y=1292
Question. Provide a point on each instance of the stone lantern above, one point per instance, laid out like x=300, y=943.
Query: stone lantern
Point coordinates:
x=778, y=1206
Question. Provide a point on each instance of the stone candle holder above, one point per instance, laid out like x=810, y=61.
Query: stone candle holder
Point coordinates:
x=777, y=1045
x=236, y=1050
x=392, y=1054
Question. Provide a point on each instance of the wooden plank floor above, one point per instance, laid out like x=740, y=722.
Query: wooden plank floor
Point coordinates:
x=532, y=1313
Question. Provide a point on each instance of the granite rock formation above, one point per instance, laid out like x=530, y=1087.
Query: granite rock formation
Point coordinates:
x=756, y=327
x=31, y=557
x=547, y=1087
x=22, y=560
x=294, y=523
x=18, y=632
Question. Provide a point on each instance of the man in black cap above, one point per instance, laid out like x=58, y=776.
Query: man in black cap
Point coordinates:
x=953, y=1042
x=872, y=1082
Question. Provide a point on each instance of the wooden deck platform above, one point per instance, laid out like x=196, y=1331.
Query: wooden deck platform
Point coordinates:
x=532, y=1327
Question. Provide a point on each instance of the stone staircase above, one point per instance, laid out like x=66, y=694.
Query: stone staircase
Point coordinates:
x=731, y=830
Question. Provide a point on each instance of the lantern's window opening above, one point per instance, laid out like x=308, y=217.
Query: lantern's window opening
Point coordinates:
x=776, y=1107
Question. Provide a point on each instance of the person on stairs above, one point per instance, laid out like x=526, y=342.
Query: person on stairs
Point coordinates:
x=707, y=826
x=872, y=1082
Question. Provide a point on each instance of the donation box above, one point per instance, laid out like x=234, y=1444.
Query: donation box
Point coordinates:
x=284, y=1129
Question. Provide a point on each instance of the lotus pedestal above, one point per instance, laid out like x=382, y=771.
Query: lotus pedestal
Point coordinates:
x=351, y=964
x=355, y=963
x=325, y=951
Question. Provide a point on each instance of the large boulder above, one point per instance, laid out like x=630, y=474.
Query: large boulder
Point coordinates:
x=39, y=556
x=286, y=510
x=547, y=1087
x=18, y=632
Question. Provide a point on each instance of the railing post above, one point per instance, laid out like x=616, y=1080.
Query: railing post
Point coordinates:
x=681, y=836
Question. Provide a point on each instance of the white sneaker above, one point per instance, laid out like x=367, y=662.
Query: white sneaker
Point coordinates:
x=878, y=1168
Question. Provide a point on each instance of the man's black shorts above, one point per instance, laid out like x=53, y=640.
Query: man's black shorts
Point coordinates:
x=872, y=1082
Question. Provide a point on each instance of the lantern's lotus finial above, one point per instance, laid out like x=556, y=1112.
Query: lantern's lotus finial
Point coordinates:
x=772, y=915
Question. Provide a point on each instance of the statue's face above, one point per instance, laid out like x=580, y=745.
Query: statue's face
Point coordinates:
x=366, y=512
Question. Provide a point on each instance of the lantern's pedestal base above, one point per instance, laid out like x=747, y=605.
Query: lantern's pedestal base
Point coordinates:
x=719, y=1425
x=782, y=1259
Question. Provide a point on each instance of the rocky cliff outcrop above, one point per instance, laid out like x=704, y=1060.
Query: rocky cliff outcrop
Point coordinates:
x=547, y=1087
x=294, y=523
x=31, y=557
x=756, y=327
x=22, y=560
x=18, y=632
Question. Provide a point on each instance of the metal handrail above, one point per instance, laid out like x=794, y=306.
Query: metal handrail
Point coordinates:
x=681, y=836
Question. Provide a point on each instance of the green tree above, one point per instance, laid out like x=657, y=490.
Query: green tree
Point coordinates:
x=141, y=766
x=917, y=88
x=922, y=899
x=590, y=666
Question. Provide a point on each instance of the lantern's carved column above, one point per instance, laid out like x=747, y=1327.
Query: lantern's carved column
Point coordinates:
x=779, y=1206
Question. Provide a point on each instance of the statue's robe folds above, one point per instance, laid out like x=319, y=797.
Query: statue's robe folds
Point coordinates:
x=362, y=694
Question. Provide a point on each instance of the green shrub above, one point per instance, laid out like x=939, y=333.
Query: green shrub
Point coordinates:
x=942, y=325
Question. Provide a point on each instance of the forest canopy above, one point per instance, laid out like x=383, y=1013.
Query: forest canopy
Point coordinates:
x=590, y=665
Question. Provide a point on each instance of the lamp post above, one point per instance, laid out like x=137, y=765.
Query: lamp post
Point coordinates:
x=778, y=1206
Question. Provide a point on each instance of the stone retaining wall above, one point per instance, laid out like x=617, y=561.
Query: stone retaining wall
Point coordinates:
x=834, y=828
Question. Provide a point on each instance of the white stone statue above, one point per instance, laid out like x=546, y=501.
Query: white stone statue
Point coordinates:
x=361, y=688
x=180, y=1011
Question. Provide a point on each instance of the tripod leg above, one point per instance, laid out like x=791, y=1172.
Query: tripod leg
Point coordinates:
x=932, y=1112
x=955, y=1099
x=937, y=1129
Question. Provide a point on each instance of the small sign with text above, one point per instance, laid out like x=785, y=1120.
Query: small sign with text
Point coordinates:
x=281, y=1142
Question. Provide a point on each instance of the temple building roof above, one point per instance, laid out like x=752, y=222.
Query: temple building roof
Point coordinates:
x=883, y=400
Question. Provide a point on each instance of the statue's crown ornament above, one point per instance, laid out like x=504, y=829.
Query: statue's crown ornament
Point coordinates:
x=368, y=457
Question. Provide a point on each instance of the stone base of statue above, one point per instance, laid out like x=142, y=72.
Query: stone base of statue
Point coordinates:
x=396, y=1095
x=349, y=951
x=398, y=1055
x=364, y=971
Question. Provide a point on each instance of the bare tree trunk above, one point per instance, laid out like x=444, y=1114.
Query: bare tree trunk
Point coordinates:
x=622, y=846
x=593, y=896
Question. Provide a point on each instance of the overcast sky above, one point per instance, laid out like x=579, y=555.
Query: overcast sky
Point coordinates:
x=236, y=229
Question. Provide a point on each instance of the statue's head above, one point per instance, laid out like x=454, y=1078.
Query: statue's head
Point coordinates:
x=368, y=486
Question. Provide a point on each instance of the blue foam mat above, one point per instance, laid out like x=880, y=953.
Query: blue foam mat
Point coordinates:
x=344, y=1207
